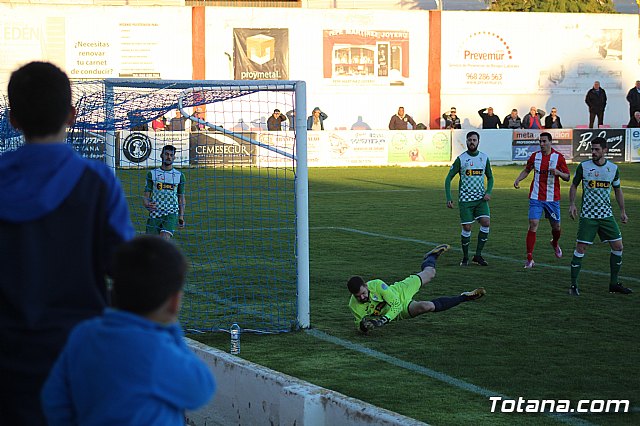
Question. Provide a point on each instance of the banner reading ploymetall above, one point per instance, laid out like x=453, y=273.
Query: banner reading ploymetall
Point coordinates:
x=616, y=141
x=261, y=53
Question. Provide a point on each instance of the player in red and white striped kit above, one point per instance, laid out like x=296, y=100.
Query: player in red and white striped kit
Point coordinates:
x=544, y=194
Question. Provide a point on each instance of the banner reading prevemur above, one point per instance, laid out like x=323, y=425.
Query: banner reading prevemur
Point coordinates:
x=261, y=53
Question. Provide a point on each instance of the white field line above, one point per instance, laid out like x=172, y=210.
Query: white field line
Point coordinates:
x=444, y=378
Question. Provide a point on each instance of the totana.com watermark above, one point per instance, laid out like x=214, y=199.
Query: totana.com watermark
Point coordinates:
x=522, y=405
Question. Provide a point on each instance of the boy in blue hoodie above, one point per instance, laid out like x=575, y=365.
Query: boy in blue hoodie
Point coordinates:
x=61, y=218
x=131, y=366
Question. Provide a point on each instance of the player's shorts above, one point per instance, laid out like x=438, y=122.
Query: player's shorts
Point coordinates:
x=607, y=229
x=167, y=223
x=551, y=210
x=406, y=289
x=470, y=211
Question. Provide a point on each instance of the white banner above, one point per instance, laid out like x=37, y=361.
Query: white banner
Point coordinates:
x=98, y=42
x=143, y=149
x=496, y=143
x=514, y=53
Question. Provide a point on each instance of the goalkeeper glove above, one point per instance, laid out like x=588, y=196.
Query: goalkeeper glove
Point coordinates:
x=369, y=323
x=379, y=322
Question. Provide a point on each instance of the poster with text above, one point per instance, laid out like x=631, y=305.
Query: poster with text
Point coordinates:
x=98, y=42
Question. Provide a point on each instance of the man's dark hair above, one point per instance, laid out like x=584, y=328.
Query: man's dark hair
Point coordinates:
x=168, y=148
x=600, y=141
x=548, y=135
x=276, y=110
x=355, y=283
x=146, y=272
x=39, y=99
x=473, y=133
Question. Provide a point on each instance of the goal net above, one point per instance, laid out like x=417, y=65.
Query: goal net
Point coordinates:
x=246, y=219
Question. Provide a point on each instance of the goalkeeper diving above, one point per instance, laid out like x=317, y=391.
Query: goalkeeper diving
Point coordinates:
x=374, y=303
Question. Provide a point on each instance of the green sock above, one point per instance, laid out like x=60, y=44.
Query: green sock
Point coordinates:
x=576, y=264
x=482, y=239
x=465, y=241
x=615, y=263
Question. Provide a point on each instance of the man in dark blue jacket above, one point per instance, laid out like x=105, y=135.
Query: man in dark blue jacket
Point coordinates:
x=596, y=100
x=61, y=218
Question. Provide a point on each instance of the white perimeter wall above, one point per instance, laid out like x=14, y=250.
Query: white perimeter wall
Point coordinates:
x=504, y=60
x=249, y=394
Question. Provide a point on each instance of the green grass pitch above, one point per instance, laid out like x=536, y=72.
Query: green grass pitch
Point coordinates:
x=527, y=338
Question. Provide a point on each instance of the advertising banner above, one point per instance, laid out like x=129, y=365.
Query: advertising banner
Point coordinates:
x=415, y=146
x=345, y=148
x=283, y=141
x=633, y=138
x=218, y=149
x=366, y=57
x=143, y=149
x=261, y=53
x=616, y=141
x=89, y=145
x=377, y=148
x=357, y=148
x=98, y=42
x=527, y=141
x=490, y=53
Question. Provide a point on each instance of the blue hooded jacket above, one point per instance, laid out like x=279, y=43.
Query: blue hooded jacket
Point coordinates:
x=61, y=218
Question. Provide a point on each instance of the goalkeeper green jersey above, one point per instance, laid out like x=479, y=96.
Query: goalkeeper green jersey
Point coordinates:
x=164, y=186
x=597, y=182
x=472, y=169
x=384, y=300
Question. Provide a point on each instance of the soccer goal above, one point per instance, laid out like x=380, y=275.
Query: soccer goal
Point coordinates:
x=246, y=216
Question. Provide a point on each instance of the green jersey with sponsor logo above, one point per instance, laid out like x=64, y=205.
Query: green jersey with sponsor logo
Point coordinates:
x=472, y=169
x=164, y=186
x=597, y=182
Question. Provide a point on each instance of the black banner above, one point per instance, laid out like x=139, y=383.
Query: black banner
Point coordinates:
x=616, y=140
x=218, y=149
x=261, y=54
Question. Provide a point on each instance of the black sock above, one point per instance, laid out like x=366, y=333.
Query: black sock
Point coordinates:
x=430, y=261
x=444, y=303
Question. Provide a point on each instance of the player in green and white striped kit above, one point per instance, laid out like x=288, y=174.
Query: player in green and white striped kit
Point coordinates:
x=472, y=166
x=164, y=196
x=597, y=176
